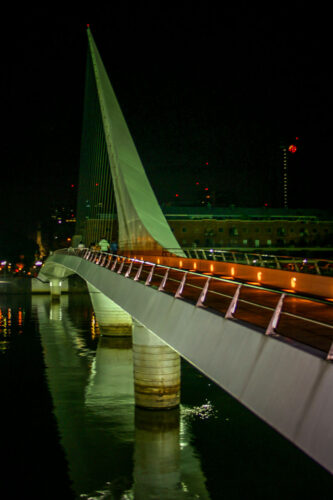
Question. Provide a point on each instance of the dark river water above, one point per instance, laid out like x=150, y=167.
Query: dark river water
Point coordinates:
x=69, y=427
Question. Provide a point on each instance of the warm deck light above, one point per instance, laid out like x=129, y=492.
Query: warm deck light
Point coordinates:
x=232, y=271
x=211, y=267
x=259, y=276
x=293, y=282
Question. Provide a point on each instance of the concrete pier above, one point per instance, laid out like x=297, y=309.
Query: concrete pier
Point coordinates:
x=112, y=319
x=156, y=371
x=55, y=289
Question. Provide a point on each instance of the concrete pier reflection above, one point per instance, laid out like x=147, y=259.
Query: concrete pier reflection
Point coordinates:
x=157, y=472
x=165, y=465
x=111, y=380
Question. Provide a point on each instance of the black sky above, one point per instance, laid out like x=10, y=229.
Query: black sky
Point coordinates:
x=224, y=85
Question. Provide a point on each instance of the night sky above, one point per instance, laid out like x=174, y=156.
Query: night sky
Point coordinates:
x=225, y=86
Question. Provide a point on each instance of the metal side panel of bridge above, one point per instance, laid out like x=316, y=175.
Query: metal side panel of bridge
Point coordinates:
x=288, y=387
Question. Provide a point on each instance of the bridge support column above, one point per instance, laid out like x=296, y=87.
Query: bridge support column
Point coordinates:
x=156, y=371
x=55, y=289
x=111, y=318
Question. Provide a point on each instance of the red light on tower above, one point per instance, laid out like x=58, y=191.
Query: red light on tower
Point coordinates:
x=292, y=148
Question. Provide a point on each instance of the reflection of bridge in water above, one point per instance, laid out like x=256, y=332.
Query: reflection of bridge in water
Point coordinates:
x=100, y=416
x=246, y=328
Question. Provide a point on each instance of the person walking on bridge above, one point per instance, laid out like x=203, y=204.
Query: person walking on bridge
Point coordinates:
x=104, y=244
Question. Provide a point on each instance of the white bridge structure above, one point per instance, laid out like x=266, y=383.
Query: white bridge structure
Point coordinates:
x=167, y=311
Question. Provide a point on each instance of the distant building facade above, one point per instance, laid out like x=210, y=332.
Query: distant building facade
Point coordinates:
x=233, y=227
x=250, y=228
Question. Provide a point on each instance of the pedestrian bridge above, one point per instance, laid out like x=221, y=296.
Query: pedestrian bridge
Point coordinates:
x=250, y=353
x=253, y=336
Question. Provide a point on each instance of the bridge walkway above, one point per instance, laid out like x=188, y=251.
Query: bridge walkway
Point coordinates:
x=302, y=320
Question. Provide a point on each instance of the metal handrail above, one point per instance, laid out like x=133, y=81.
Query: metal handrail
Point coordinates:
x=97, y=258
x=296, y=264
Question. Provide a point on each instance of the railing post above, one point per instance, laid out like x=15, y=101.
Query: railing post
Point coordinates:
x=233, y=304
x=296, y=265
x=330, y=353
x=317, y=267
x=150, y=275
x=181, y=286
x=138, y=273
x=128, y=272
x=276, y=316
x=277, y=262
x=113, y=268
x=121, y=267
x=202, y=297
x=164, y=280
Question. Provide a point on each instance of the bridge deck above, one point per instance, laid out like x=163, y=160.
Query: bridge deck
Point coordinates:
x=309, y=322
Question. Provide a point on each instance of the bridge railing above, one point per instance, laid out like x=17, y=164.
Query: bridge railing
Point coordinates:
x=289, y=263
x=273, y=311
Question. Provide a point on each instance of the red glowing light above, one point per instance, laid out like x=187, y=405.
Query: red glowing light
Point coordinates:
x=292, y=148
x=197, y=183
x=206, y=189
x=177, y=195
x=96, y=184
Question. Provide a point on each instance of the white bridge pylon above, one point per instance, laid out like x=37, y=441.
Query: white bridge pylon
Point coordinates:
x=142, y=225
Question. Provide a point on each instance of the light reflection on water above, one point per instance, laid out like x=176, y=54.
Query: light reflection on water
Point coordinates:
x=10, y=317
x=114, y=450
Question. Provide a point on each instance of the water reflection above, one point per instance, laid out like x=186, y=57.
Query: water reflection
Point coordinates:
x=114, y=450
x=165, y=464
x=12, y=314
